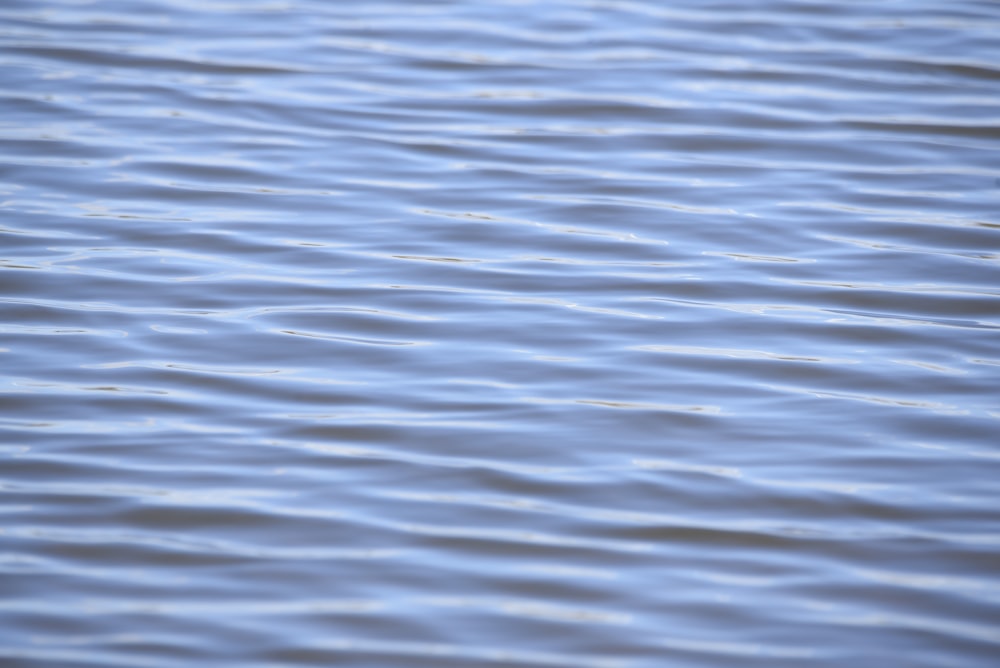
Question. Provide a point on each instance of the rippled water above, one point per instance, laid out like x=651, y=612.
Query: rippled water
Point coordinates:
x=576, y=333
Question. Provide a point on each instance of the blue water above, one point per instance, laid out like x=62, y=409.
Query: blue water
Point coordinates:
x=451, y=333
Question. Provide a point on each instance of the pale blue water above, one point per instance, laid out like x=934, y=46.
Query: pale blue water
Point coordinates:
x=576, y=333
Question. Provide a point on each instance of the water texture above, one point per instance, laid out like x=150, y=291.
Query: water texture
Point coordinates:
x=575, y=333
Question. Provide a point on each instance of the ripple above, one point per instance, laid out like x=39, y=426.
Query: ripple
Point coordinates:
x=186, y=544
x=330, y=650
x=348, y=339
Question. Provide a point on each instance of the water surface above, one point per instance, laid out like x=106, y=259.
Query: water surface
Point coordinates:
x=577, y=333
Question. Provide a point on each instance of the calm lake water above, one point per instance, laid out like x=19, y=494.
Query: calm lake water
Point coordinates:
x=576, y=333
